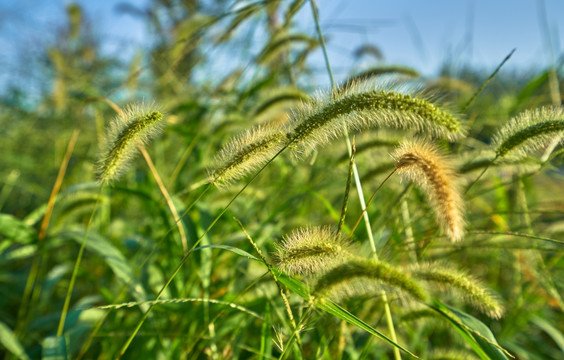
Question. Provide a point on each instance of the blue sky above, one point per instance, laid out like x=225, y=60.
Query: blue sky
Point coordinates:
x=419, y=33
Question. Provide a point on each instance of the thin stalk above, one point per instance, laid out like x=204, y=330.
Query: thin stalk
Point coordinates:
x=280, y=288
x=347, y=191
x=475, y=95
x=358, y=184
x=187, y=255
x=409, y=238
x=76, y=266
x=479, y=176
x=166, y=195
x=141, y=265
x=34, y=271
x=369, y=202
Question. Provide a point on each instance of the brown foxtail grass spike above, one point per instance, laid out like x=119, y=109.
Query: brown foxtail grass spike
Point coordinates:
x=422, y=163
x=137, y=124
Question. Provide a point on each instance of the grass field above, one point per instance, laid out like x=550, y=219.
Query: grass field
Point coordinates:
x=146, y=213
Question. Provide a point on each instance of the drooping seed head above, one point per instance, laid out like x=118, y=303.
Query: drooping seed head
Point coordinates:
x=318, y=121
x=458, y=281
x=360, y=276
x=137, y=124
x=529, y=131
x=246, y=153
x=422, y=163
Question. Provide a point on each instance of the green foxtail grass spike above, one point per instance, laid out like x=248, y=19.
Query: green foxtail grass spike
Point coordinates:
x=462, y=283
x=529, y=131
x=137, y=124
x=246, y=153
x=307, y=251
x=362, y=106
x=422, y=163
x=360, y=276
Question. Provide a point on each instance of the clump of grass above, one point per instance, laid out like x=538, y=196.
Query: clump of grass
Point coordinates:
x=246, y=153
x=471, y=289
x=307, y=251
x=317, y=122
x=361, y=276
x=529, y=131
x=422, y=163
x=137, y=124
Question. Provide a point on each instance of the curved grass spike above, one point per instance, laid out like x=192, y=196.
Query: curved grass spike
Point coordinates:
x=359, y=276
x=381, y=70
x=307, y=251
x=421, y=162
x=287, y=95
x=529, y=131
x=281, y=42
x=136, y=124
x=246, y=153
x=470, y=288
x=318, y=121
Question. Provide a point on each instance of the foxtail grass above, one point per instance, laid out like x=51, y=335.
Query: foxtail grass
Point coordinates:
x=529, y=131
x=246, y=153
x=135, y=125
x=422, y=163
x=360, y=276
x=360, y=106
x=308, y=251
x=459, y=282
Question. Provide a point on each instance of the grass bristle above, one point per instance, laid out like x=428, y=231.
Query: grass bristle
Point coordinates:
x=135, y=125
x=421, y=162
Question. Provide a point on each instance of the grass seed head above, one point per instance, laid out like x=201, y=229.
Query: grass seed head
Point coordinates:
x=307, y=251
x=529, y=131
x=470, y=288
x=422, y=163
x=362, y=276
x=137, y=124
x=246, y=153
x=316, y=122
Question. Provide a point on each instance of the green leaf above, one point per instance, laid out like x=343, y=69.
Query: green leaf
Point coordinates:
x=474, y=332
x=330, y=307
x=11, y=342
x=54, y=348
x=112, y=256
x=229, y=248
x=552, y=331
x=14, y=229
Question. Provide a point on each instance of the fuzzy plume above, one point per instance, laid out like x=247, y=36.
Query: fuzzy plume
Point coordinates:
x=421, y=162
x=360, y=276
x=307, y=251
x=137, y=124
x=529, y=131
x=246, y=153
x=471, y=289
x=361, y=106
